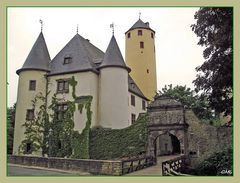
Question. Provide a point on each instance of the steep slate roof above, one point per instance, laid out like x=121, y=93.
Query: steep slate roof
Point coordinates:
x=140, y=24
x=132, y=87
x=83, y=55
x=38, y=58
x=113, y=56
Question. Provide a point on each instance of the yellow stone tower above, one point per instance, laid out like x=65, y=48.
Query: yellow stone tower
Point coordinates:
x=140, y=57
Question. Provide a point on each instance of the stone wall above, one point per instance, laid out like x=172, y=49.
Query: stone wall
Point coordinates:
x=103, y=167
x=205, y=139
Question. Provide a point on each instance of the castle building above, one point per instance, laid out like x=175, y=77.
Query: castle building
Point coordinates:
x=117, y=99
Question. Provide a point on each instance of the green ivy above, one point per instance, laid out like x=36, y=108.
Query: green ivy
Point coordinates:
x=63, y=140
x=80, y=142
x=119, y=143
x=35, y=129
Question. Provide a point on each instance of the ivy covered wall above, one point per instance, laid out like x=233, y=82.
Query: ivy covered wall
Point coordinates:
x=119, y=143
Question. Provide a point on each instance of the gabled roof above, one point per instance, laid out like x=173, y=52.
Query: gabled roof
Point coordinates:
x=132, y=87
x=113, y=56
x=83, y=57
x=140, y=24
x=38, y=58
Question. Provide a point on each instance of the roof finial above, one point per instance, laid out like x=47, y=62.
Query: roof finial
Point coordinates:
x=77, y=28
x=112, y=26
x=140, y=15
x=41, y=22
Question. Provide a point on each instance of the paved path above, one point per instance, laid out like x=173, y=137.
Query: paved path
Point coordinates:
x=20, y=170
x=153, y=170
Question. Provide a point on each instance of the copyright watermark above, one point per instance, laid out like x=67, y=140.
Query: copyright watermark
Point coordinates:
x=226, y=172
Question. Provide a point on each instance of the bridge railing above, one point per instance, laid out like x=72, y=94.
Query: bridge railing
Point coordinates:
x=134, y=164
x=174, y=166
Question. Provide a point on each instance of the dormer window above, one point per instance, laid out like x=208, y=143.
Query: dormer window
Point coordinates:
x=67, y=60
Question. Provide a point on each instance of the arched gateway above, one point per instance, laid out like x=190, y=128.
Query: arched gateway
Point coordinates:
x=167, y=128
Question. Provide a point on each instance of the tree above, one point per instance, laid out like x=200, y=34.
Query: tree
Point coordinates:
x=214, y=78
x=187, y=97
x=10, y=127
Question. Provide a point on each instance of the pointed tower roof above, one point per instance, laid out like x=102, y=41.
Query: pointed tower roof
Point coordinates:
x=113, y=56
x=38, y=58
x=83, y=57
x=140, y=24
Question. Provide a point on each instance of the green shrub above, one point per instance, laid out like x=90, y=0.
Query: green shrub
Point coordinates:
x=119, y=143
x=217, y=164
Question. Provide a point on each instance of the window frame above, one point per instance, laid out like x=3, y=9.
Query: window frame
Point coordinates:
x=133, y=100
x=67, y=60
x=140, y=32
x=32, y=85
x=152, y=35
x=144, y=105
x=65, y=86
x=61, y=110
x=133, y=118
x=30, y=114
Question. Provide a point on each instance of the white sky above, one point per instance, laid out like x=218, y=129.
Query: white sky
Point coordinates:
x=177, y=52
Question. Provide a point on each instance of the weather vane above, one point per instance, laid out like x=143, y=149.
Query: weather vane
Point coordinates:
x=77, y=28
x=112, y=26
x=41, y=22
x=139, y=15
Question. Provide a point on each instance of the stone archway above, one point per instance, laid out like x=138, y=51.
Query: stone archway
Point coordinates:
x=166, y=116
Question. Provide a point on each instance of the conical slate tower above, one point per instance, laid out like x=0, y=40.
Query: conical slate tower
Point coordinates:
x=113, y=56
x=32, y=82
x=113, y=88
x=38, y=58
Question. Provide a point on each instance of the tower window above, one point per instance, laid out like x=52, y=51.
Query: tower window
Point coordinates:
x=30, y=114
x=32, y=85
x=141, y=44
x=147, y=70
x=132, y=100
x=152, y=35
x=133, y=116
x=129, y=35
x=140, y=32
x=62, y=86
x=67, y=60
x=143, y=105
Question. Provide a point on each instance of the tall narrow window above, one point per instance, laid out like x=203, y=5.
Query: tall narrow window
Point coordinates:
x=143, y=105
x=140, y=32
x=30, y=114
x=132, y=100
x=152, y=35
x=28, y=148
x=133, y=118
x=141, y=44
x=62, y=86
x=129, y=35
x=32, y=85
